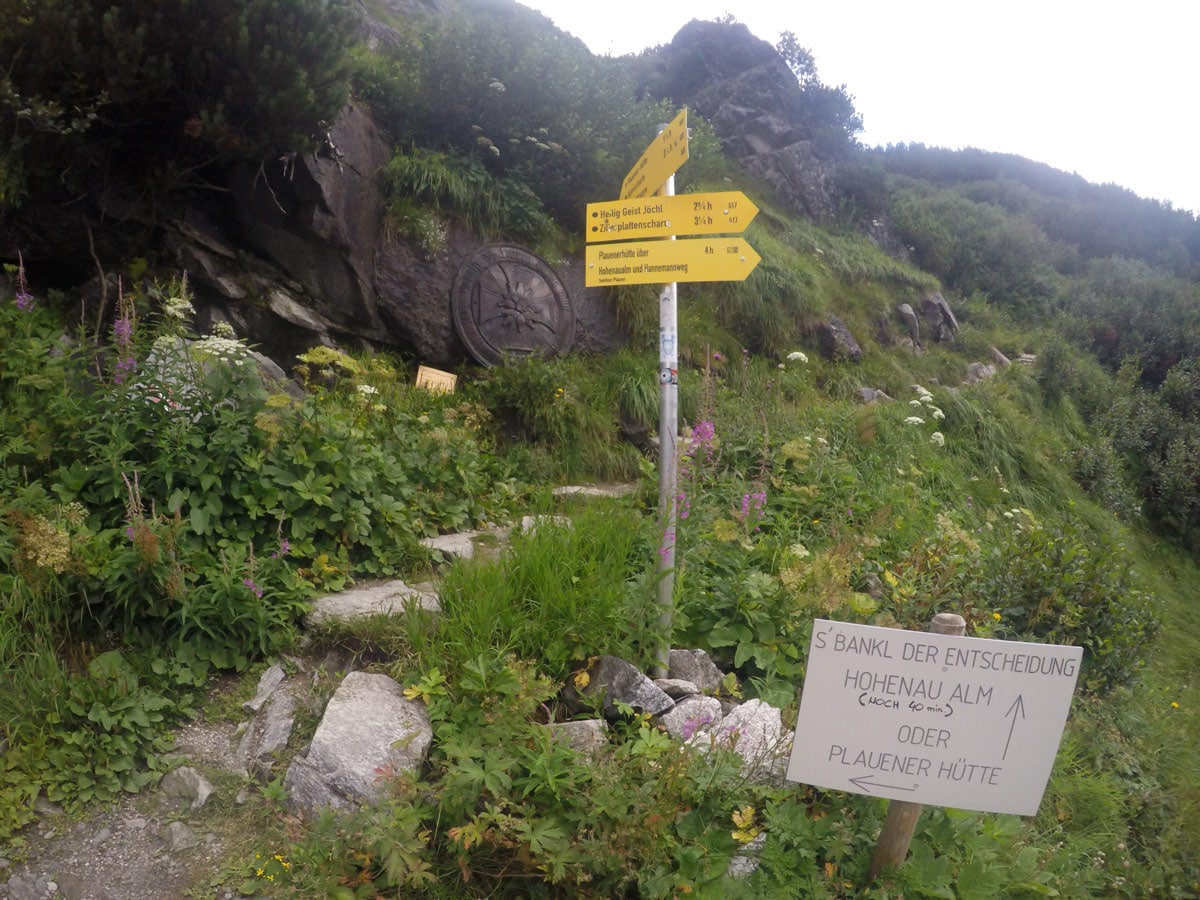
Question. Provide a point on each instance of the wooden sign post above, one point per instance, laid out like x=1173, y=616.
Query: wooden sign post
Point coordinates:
x=901, y=820
x=931, y=718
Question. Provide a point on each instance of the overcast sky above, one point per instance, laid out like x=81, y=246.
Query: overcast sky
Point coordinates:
x=1111, y=91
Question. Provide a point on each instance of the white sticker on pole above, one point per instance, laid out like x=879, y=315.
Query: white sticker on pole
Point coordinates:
x=965, y=722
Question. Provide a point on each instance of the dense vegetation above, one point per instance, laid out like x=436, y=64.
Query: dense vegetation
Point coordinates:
x=166, y=512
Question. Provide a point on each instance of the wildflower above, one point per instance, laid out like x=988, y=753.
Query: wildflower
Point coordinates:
x=744, y=828
x=753, y=502
x=24, y=299
x=691, y=726
x=222, y=349
x=718, y=356
x=703, y=438
x=799, y=551
x=1174, y=705
x=254, y=588
x=180, y=308
x=914, y=420
x=937, y=439
x=284, y=547
x=936, y=413
x=123, y=338
x=915, y=404
x=996, y=616
x=797, y=356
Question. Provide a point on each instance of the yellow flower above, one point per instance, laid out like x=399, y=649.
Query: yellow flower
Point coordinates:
x=996, y=616
x=745, y=830
x=1174, y=705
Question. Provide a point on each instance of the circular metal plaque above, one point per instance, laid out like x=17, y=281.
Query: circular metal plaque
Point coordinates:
x=508, y=302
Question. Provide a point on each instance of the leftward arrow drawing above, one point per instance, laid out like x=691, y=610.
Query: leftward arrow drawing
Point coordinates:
x=1017, y=709
x=865, y=783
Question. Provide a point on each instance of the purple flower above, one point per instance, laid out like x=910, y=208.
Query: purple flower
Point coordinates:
x=284, y=547
x=123, y=331
x=24, y=299
x=123, y=338
x=254, y=588
x=703, y=433
x=691, y=726
x=752, y=503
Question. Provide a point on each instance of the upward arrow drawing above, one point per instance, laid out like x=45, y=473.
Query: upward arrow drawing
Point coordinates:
x=1017, y=709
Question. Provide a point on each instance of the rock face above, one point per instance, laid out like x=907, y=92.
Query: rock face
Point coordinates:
x=836, y=341
x=909, y=318
x=754, y=730
x=940, y=317
x=389, y=598
x=369, y=727
x=696, y=667
x=328, y=269
x=743, y=86
x=611, y=681
x=299, y=252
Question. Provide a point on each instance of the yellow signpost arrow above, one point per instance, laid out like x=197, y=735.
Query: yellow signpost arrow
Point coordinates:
x=660, y=262
x=722, y=212
x=666, y=153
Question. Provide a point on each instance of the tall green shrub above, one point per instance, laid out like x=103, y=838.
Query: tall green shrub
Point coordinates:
x=137, y=87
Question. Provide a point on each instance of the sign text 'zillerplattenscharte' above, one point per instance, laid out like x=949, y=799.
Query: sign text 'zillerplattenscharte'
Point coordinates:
x=964, y=722
x=682, y=215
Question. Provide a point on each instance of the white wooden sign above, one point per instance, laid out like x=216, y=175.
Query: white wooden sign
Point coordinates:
x=970, y=723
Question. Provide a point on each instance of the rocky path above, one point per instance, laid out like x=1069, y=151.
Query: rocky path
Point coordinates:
x=150, y=846
x=185, y=838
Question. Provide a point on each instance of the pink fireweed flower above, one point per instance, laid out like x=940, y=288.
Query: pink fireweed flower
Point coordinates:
x=254, y=588
x=752, y=506
x=24, y=299
x=123, y=338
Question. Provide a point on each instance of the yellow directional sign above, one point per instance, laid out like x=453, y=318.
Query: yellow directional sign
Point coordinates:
x=661, y=262
x=666, y=153
x=723, y=212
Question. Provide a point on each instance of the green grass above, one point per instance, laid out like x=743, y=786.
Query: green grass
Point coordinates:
x=559, y=594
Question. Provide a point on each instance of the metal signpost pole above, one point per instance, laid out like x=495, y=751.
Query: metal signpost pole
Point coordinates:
x=668, y=481
x=651, y=212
